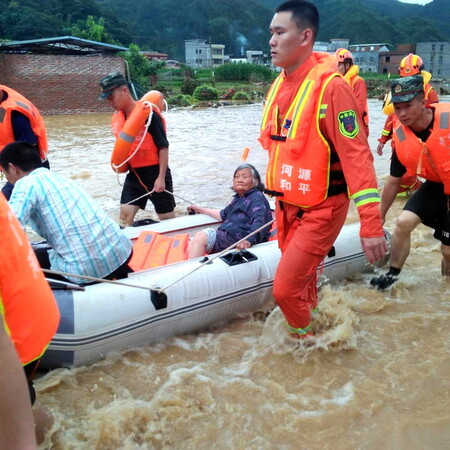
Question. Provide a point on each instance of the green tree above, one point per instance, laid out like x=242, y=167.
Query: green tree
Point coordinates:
x=138, y=65
x=219, y=31
x=93, y=29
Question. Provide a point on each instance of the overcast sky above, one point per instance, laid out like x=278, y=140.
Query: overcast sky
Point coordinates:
x=418, y=2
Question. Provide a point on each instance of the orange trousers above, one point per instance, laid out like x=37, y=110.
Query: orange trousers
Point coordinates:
x=304, y=242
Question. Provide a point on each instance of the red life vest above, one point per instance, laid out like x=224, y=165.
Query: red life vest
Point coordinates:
x=299, y=155
x=148, y=154
x=28, y=310
x=430, y=159
x=17, y=102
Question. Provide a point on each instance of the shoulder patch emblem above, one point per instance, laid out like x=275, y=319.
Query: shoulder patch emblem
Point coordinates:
x=348, y=125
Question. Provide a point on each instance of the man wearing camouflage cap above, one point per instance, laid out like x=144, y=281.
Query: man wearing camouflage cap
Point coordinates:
x=422, y=144
x=149, y=171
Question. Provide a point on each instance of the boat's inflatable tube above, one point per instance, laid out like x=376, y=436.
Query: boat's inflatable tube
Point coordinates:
x=133, y=125
x=106, y=318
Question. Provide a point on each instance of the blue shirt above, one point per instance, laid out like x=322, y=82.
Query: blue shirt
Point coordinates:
x=241, y=217
x=84, y=239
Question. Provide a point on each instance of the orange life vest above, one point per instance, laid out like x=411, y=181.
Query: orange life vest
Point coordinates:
x=148, y=154
x=299, y=155
x=153, y=249
x=17, y=102
x=430, y=159
x=430, y=94
x=28, y=310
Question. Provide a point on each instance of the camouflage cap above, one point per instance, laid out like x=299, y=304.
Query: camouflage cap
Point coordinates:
x=110, y=82
x=406, y=88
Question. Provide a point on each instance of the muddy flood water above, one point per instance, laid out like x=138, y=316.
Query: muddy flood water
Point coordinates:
x=383, y=383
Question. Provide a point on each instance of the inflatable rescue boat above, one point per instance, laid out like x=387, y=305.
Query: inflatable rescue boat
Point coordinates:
x=177, y=298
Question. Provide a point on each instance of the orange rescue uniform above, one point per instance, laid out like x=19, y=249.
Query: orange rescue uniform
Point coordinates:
x=17, y=102
x=429, y=160
x=359, y=87
x=409, y=180
x=306, y=234
x=28, y=309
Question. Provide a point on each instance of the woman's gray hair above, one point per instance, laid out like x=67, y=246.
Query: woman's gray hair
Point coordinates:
x=257, y=183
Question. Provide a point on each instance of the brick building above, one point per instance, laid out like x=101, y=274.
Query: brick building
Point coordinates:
x=59, y=75
x=390, y=61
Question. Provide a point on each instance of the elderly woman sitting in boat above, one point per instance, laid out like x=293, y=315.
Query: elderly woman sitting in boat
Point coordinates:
x=248, y=211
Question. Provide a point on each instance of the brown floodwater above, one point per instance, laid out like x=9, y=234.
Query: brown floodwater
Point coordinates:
x=377, y=378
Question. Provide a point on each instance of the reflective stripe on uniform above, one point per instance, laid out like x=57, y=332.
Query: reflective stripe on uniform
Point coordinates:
x=400, y=134
x=366, y=196
x=444, y=122
x=300, y=331
x=322, y=111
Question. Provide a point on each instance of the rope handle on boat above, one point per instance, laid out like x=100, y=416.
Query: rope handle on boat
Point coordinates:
x=98, y=280
x=208, y=260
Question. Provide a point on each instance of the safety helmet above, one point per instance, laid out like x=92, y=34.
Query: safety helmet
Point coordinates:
x=343, y=55
x=410, y=65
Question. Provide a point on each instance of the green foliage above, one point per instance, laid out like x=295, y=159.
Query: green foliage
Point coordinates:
x=244, y=71
x=188, y=86
x=241, y=95
x=31, y=19
x=93, y=30
x=138, y=65
x=205, y=92
x=238, y=24
x=180, y=100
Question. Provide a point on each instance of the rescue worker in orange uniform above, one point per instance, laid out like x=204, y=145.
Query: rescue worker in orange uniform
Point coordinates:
x=409, y=65
x=28, y=310
x=350, y=72
x=149, y=168
x=318, y=157
x=422, y=143
x=20, y=120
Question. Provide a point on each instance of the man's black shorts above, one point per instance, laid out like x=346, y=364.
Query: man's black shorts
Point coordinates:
x=432, y=206
x=30, y=370
x=140, y=181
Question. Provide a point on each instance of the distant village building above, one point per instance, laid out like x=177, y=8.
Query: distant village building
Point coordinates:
x=200, y=54
x=332, y=46
x=321, y=46
x=255, y=56
x=389, y=61
x=60, y=75
x=366, y=56
x=155, y=56
x=338, y=43
x=218, y=54
x=236, y=59
x=436, y=57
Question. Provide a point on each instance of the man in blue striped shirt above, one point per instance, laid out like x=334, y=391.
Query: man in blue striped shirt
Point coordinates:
x=84, y=240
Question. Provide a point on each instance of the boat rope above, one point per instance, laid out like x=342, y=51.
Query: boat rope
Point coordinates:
x=94, y=279
x=177, y=196
x=209, y=260
x=131, y=201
